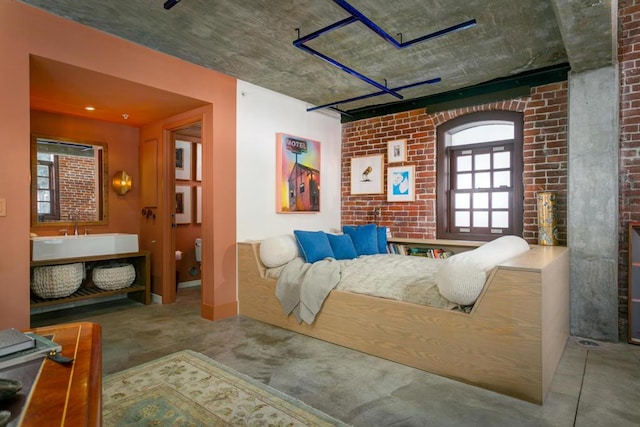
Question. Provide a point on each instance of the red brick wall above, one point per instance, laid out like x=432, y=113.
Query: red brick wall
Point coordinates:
x=77, y=191
x=629, y=166
x=544, y=151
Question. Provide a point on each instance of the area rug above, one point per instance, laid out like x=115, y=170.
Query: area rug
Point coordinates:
x=189, y=389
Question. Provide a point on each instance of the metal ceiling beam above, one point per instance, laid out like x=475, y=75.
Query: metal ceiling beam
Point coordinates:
x=371, y=95
x=495, y=90
x=357, y=16
x=389, y=38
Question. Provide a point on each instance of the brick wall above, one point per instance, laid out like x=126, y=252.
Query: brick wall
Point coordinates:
x=77, y=188
x=629, y=166
x=544, y=151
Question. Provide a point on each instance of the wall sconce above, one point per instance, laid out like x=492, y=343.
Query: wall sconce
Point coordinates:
x=121, y=183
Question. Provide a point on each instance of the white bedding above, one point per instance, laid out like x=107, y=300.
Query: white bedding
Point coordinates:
x=398, y=277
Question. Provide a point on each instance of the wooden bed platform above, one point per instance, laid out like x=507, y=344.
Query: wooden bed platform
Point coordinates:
x=511, y=342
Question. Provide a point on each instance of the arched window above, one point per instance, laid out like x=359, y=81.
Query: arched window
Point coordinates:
x=479, y=176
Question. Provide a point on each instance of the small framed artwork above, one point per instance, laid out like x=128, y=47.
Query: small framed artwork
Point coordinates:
x=183, y=204
x=198, y=161
x=401, y=184
x=198, y=205
x=183, y=160
x=397, y=151
x=366, y=175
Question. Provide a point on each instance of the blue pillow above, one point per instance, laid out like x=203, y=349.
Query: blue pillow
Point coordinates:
x=382, y=240
x=342, y=246
x=314, y=245
x=365, y=238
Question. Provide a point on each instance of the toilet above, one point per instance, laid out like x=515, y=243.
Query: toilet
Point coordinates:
x=198, y=256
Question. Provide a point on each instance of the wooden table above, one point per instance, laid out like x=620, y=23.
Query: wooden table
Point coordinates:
x=62, y=395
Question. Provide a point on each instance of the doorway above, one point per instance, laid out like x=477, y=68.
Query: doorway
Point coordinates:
x=186, y=236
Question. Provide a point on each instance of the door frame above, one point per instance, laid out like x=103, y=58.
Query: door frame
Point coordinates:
x=169, y=227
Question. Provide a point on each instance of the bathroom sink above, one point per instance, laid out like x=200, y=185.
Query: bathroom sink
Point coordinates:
x=59, y=247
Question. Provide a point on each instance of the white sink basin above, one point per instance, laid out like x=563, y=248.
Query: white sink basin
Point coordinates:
x=59, y=247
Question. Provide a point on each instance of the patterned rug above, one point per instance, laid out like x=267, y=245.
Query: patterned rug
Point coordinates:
x=189, y=389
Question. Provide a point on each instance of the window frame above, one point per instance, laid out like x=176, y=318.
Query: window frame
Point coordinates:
x=54, y=193
x=444, y=211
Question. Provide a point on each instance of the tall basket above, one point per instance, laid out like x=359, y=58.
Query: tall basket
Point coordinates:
x=547, y=218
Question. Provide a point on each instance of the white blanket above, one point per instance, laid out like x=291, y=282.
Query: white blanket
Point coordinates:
x=303, y=287
x=399, y=277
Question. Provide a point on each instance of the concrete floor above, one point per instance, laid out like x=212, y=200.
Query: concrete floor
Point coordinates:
x=597, y=384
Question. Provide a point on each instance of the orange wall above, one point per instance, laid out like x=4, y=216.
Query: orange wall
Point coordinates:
x=25, y=30
x=122, y=154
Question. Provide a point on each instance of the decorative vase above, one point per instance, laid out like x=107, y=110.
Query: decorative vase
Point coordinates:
x=547, y=218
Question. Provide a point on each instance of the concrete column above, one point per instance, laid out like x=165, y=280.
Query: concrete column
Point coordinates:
x=592, y=209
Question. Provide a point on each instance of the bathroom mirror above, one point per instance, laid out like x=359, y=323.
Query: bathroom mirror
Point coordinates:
x=68, y=182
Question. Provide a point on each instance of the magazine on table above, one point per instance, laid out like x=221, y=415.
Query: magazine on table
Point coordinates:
x=42, y=348
x=12, y=340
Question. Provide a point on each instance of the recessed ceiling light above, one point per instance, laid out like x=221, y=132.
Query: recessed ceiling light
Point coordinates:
x=89, y=108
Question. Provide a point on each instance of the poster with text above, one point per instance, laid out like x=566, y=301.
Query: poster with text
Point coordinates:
x=297, y=174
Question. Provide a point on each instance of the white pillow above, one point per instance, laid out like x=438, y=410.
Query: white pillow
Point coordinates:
x=461, y=277
x=278, y=250
x=459, y=281
x=495, y=252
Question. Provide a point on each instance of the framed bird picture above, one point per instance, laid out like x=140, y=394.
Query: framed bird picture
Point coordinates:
x=367, y=175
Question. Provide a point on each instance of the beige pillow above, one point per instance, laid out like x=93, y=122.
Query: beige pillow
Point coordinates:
x=461, y=277
x=495, y=252
x=278, y=250
x=460, y=281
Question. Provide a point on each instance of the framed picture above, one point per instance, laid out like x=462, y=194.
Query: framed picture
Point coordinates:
x=397, y=151
x=366, y=175
x=198, y=161
x=183, y=160
x=401, y=184
x=297, y=174
x=198, y=205
x=183, y=204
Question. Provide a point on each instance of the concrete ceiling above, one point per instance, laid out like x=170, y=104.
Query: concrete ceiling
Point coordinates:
x=252, y=41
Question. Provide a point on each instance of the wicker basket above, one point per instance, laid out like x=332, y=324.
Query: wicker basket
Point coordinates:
x=57, y=281
x=113, y=277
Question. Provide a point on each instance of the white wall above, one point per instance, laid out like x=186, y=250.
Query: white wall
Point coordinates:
x=261, y=114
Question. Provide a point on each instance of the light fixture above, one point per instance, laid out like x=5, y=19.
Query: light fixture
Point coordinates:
x=121, y=183
x=89, y=108
x=170, y=3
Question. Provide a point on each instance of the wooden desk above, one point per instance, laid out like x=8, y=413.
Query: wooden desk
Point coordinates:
x=63, y=395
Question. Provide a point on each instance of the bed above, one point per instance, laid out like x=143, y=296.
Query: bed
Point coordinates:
x=510, y=341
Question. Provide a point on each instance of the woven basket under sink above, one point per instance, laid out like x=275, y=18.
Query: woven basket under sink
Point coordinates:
x=112, y=277
x=57, y=281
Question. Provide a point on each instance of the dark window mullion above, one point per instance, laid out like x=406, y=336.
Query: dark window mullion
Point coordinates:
x=446, y=208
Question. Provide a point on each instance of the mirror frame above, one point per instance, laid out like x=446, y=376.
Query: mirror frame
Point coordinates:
x=103, y=188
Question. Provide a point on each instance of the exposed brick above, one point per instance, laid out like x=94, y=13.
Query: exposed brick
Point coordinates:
x=545, y=159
